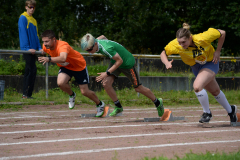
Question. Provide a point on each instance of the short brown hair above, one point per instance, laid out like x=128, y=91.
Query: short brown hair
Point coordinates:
x=30, y=2
x=48, y=33
x=184, y=32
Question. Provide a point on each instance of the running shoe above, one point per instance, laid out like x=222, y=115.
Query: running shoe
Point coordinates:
x=160, y=108
x=71, y=102
x=233, y=116
x=27, y=97
x=116, y=111
x=206, y=117
x=100, y=110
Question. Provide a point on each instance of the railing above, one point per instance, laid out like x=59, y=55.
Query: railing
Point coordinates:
x=138, y=56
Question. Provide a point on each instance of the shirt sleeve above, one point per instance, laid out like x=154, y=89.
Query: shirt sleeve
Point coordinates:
x=39, y=45
x=23, y=35
x=171, y=48
x=109, y=51
x=210, y=35
x=63, y=48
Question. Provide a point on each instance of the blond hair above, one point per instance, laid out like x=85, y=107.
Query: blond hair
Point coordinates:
x=87, y=41
x=30, y=2
x=184, y=32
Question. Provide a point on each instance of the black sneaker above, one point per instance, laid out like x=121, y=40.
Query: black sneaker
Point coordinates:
x=233, y=117
x=206, y=117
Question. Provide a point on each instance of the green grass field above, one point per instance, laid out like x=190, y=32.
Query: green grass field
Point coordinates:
x=207, y=156
x=128, y=97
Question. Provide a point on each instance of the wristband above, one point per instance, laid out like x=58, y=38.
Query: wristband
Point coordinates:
x=108, y=73
x=49, y=58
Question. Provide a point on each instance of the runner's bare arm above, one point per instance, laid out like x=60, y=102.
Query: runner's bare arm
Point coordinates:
x=221, y=39
x=60, y=59
x=117, y=64
x=165, y=61
x=102, y=37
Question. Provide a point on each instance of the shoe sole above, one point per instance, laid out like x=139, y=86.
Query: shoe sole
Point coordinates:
x=72, y=107
x=100, y=115
x=115, y=114
x=205, y=122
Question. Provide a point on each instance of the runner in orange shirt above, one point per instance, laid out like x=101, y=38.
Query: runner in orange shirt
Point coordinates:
x=71, y=63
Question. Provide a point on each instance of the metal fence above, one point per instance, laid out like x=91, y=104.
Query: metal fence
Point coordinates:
x=137, y=56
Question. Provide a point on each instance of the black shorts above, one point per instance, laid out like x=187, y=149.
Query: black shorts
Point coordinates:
x=81, y=77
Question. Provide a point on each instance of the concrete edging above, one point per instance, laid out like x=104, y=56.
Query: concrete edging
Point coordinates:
x=154, y=83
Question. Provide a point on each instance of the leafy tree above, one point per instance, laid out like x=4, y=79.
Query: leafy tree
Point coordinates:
x=143, y=27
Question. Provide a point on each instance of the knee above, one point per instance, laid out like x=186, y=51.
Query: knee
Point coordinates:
x=197, y=88
x=141, y=88
x=60, y=84
x=215, y=92
x=85, y=92
x=106, y=85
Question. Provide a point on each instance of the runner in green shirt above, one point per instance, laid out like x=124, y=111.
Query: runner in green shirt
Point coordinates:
x=122, y=61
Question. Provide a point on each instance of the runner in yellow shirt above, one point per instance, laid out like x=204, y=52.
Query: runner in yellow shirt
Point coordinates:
x=197, y=51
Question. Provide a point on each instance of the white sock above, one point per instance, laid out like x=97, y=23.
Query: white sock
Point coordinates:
x=223, y=101
x=203, y=99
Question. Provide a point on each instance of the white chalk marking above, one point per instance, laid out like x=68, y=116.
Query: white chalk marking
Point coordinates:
x=99, y=127
x=118, y=149
x=26, y=117
x=75, y=110
x=120, y=136
x=86, y=120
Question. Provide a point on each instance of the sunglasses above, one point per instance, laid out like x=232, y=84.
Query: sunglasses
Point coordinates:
x=89, y=50
x=31, y=7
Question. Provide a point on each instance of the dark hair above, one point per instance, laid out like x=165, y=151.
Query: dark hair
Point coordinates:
x=48, y=33
x=184, y=32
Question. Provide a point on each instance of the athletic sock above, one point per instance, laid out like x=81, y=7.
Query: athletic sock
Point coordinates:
x=118, y=104
x=72, y=94
x=156, y=102
x=221, y=98
x=100, y=103
x=203, y=99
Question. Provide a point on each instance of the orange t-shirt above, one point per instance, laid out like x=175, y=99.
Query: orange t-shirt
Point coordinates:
x=75, y=61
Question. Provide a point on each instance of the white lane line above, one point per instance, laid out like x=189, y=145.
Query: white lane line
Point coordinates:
x=98, y=127
x=120, y=136
x=27, y=117
x=88, y=121
x=179, y=108
x=123, y=113
x=118, y=149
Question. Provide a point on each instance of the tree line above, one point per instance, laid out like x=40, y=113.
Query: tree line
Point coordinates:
x=143, y=27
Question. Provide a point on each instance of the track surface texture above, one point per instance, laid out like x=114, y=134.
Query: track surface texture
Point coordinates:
x=55, y=132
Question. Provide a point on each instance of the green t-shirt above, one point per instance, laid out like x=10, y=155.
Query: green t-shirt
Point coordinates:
x=109, y=48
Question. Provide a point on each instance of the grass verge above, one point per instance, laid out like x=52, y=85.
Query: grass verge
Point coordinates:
x=127, y=97
x=207, y=156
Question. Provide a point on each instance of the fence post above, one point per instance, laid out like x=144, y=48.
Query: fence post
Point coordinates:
x=138, y=69
x=46, y=80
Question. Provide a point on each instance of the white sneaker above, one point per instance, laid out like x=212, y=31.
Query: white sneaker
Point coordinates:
x=71, y=102
x=100, y=110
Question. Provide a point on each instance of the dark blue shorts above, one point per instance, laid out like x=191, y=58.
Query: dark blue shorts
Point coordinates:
x=81, y=77
x=210, y=65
